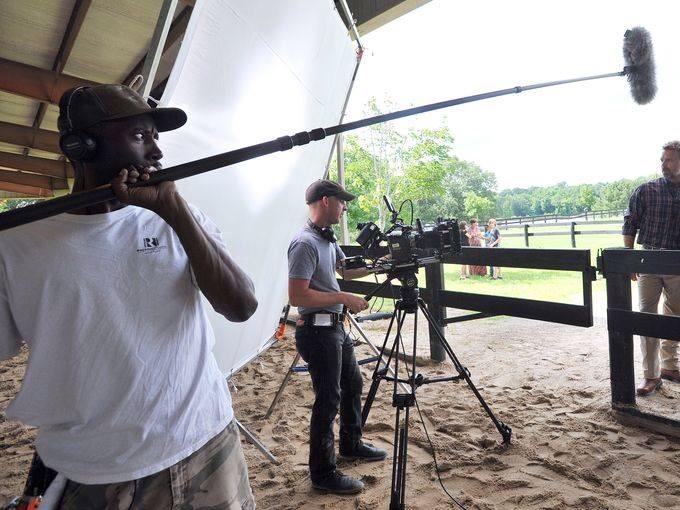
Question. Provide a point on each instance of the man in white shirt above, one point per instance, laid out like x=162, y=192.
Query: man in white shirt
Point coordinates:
x=121, y=382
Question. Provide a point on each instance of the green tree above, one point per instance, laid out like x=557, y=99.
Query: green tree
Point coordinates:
x=8, y=204
x=420, y=165
x=478, y=206
x=587, y=197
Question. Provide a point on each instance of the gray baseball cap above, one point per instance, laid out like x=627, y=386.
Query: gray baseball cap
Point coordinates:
x=325, y=188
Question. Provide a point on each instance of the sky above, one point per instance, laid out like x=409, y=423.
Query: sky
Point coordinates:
x=586, y=132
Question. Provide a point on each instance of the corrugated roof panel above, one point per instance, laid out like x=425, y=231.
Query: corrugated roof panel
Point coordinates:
x=17, y=109
x=50, y=119
x=17, y=149
x=114, y=38
x=31, y=32
x=12, y=149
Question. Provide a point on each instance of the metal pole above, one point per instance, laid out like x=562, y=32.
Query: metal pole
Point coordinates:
x=353, y=25
x=341, y=179
x=253, y=439
x=153, y=56
x=282, y=387
x=360, y=53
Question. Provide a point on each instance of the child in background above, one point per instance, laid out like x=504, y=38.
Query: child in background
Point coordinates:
x=487, y=243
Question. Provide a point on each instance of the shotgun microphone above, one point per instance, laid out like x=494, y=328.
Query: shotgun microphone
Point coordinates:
x=639, y=70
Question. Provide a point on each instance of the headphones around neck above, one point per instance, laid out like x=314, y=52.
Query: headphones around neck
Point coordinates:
x=74, y=143
x=325, y=232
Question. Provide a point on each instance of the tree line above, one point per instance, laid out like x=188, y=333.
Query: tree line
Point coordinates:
x=421, y=166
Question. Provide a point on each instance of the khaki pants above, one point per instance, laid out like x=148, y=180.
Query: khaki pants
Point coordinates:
x=214, y=477
x=650, y=287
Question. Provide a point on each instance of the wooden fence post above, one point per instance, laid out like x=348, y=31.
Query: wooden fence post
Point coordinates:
x=621, y=347
x=434, y=282
x=573, y=234
x=526, y=235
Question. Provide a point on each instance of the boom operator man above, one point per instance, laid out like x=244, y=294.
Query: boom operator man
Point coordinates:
x=654, y=214
x=128, y=399
x=320, y=337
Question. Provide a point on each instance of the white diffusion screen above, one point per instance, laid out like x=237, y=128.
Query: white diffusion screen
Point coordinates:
x=250, y=71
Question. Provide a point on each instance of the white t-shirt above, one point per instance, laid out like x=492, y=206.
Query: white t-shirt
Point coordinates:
x=121, y=380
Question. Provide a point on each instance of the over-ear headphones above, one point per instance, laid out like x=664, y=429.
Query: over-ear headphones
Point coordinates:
x=325, y=232
x=75, y=144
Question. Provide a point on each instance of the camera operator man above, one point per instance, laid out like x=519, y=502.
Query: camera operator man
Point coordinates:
x=121, y=382
x=313, y=259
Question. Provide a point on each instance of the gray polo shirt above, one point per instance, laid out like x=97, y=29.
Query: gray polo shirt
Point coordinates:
x=313, y=258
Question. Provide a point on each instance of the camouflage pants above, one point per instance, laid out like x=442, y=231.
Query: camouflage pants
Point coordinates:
x=215, y=477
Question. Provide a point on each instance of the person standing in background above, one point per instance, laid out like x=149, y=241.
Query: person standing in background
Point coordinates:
x=494, y=242
x=487, y=242
x=475, y=238
x=464, y=241
x=652, y=214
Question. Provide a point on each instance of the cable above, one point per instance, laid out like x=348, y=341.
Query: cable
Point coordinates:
x=375, y=298
x=422, y=421
x=434, y=457
x=402, y=205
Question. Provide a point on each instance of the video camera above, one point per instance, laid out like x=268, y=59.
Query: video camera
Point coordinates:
x=407, y=245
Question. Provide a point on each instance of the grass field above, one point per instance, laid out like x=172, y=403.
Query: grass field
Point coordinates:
x=559, y=286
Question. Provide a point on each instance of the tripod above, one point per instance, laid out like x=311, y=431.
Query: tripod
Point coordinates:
x=410, y=303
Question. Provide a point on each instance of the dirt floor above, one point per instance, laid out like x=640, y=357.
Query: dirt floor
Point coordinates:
x=549, y=382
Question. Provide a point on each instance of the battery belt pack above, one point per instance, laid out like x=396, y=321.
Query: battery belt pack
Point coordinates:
x=323, y=319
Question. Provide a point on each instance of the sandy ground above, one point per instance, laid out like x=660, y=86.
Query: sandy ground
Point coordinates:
x=549, y=382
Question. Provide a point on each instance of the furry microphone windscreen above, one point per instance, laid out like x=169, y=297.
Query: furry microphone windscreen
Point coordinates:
x=639, y=58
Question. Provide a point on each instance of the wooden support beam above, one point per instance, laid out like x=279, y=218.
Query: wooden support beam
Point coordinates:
x=177, y=29
x=26, y=190
x=28, y=137
x=36, y=181
x=70, y=34
x=42, y=166
x=36, y=83
x=68, y=40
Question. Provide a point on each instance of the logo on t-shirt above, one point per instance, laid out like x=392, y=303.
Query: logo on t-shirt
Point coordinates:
x=150, y=245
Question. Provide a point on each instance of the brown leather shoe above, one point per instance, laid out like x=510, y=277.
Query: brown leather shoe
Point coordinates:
x=670, y=375
x=648, y=386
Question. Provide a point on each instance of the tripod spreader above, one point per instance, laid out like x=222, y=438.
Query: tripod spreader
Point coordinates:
x=420, y=380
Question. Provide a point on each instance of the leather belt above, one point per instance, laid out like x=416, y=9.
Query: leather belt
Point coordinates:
x=321, y=319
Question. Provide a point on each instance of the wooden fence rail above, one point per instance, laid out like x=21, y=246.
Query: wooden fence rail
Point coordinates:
x=572, y=231
x=545, y=218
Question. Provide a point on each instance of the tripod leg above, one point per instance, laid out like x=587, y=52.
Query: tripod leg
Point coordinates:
x=398, y=499
x=396, y=462
x=402, y=401
x=503, y=429
x=380, y=370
